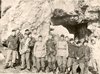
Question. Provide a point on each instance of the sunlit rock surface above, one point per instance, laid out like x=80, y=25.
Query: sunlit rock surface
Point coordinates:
x=34, y=14
x=31, y=14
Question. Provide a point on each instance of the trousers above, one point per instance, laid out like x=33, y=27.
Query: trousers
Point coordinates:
x=25, y=60
x=51, y=62
x=76, y=65
x=11, y=56
x=62, y=63
x=40, y=63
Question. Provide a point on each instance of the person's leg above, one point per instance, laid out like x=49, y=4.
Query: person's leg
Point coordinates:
x=14, y=56
x=19, y=55
x=69, y=63
x=34, y=61
x=98, y=66
x=49, y=63
x=38, y=65
x=74, y=68
x=82, y=68
x=54, y=63
x=64, y=64
x=23, y=61
x=59, y=62
x=43, y=64
x=28, y=60
x=8, y=57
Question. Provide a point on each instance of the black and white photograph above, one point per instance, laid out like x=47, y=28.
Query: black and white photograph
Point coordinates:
x=49, y=36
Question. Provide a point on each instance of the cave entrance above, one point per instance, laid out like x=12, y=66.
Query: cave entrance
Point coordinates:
x=70, y=22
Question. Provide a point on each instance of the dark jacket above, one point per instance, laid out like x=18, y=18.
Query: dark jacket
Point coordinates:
x=50, y=47
x=12, y=42
x=80, y=53
x=32, y=42
x=20, y=36
x=71, y=48
x=87, y=53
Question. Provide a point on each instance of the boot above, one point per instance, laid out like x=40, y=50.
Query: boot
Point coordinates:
x=6, y=66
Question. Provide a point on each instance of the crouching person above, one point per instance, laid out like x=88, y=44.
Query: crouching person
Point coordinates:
x=62, y=54
x=40, y=53
x=25, y=52
x=12, y=44
x=51, y=54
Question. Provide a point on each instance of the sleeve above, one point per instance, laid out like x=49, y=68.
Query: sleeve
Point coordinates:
x=32, y=42
x=67, y=48
x=56, y=46
x=21, y=37
x=35, y=46
x=82, y=52
x=46, y=44
x=87, y=54
x=6, y=42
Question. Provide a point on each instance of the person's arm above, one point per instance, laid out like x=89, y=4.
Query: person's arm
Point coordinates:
x=7, y=41
x=56, y=46
x=67, y=48
x=47, y=49
x=35, y=47
x=87, y=54
x=82, y=52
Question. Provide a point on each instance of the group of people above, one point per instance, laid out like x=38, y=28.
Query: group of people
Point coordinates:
x=67, y=55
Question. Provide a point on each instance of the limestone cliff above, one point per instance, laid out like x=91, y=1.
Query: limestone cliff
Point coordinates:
x=34, y=14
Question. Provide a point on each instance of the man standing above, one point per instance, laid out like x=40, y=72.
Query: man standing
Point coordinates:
x=40, y=53
x=25, y=52
x=31, y=46
x=51, y=54
x=80, y=59
x=12, y=44
x=87, y=55
x=71, y=58
x=20, y=37
x=62, y=54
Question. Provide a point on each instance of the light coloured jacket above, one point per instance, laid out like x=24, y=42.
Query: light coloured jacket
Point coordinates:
x=24, y=47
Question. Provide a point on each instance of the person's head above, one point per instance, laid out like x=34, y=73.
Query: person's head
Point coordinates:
x=62, y=37
x=50, y=36
x=66, y=38
x=34, y=31
x=30, y=34
x=82, y=40
x=25, y=35
x=71, y=40
x=51, y=30
x=17, y=30
x=93, y=41
x=85, y=42
x=40, y=37
x=79, y=43
x=76, y=40
x=13, y=32
x=27, y=31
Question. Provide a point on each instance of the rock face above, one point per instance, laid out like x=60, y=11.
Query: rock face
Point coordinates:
x=26, y=14
x=34, y=14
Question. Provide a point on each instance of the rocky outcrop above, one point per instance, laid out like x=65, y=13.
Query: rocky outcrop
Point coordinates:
x=35, y=14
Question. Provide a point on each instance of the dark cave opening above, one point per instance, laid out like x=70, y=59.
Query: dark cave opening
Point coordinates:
x=70, y=22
